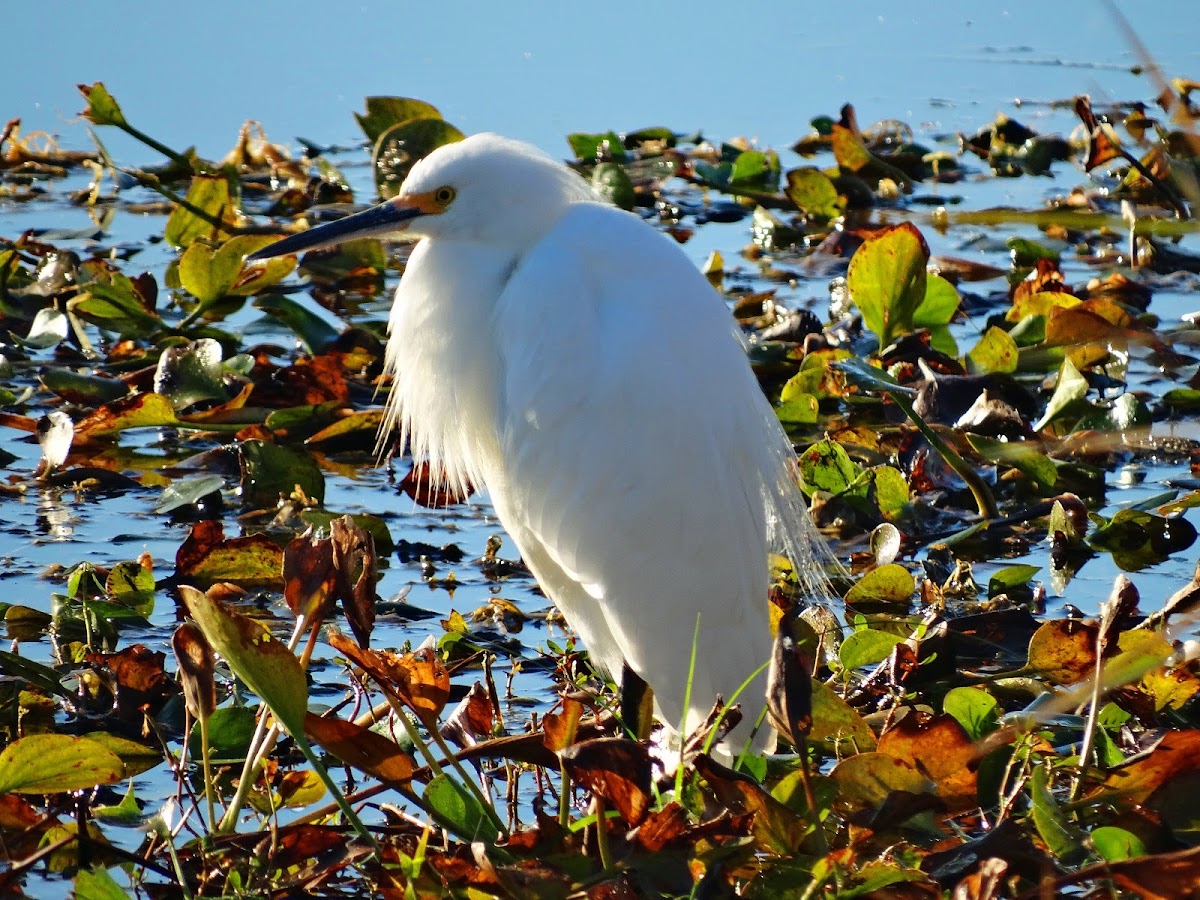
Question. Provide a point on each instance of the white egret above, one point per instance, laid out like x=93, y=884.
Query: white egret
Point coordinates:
x=571, y=360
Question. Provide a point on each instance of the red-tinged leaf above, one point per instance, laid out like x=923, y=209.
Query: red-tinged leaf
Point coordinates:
x=940, y=750
x=206, y=557
x=1063, y=651
x=362, y=748
x=560, y=729
x=196, y=665
x=616, y=769
x=141, y=681
x=135, y=411
x=418, y=680
x=429, y=488
x=1133, y=782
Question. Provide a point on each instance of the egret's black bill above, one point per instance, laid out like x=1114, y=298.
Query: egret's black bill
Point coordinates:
x=386, y=218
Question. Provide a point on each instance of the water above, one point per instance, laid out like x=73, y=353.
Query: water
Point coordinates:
x=535, y=72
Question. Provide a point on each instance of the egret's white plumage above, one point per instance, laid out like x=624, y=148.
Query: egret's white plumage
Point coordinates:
x=571, y=360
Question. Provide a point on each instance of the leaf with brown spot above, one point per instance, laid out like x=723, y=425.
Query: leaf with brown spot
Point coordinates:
x=663, y=827
x=55, y=763
x=938, y=748
x=616, y=769
x=361, y=748
x=866, y=780
x=147, y=410
x=207, y=557
x=1063, y=651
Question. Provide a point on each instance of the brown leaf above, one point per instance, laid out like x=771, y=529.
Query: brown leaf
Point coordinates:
x=938, y=748
x=1006, y=841
x=789, y=689
x=559, y=729
x=429, y=488
x=309, y=577
x=418, y=680
x=308, y=381
x=663, y=827
x=616, y=769
x=1186, y=598
x=196, y=664
x=362, y=748
x=1116, y=613
x=1137, y=778
x=142, y=684
x=357, y=568
x=472, y=719
x=986, y=883
x=776, y=828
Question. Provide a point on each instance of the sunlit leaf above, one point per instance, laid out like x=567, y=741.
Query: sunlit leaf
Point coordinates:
x=53, y=763
x=814, y=193
x=211, y=213
x=402, y=146
x=383, y=113
x=995, y=352
x=259, y=659
x=886, y=584
x=975, y=709
x=887, y=280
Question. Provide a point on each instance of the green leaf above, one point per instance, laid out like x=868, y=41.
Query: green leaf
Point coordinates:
x=126, y=813
x=1061, y=838
x=1010, y=577
x=886, y=584
x=798, y=409
x=188, y=492
x=866, y=648
x=975, y=709
x=1026, y=253
x=271, y=470
x=82, y=386
x=264, y=663
x=132, y=584
x=1022, y=456
x=995, y=352
x=1138, y=539
x=115, y=306
x=1116, y=844
x=97, y=884
x=135, y=758
x=102, y=108
x=38, y=675
x=387, y=112
x=825, y=466
x=55, y=763
x=373, y=525
x=814, y=194
x=230, y=729
x=593, y=147
x=458, y=810
x=837, y=727
x=887, y=280
x=313, y=331
x=213, y=196
x=940, y=303
x=612, y=183
x=191, y=373
x=402, y=146
x=1070, y=392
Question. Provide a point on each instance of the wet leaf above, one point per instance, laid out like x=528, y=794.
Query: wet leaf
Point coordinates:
x=270, y=471
x=189, y=492
x=1069, y=395
x=403, y=145
x=866, y=648
x=1023, y=456
x=825, y=466
x=210, y=213
x=1138, y=539
x=53, y=763
x=136, y=411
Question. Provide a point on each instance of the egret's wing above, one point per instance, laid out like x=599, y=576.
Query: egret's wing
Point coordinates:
x=641, y=465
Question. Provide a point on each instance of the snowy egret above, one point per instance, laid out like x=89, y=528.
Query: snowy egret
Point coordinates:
x=571, y=360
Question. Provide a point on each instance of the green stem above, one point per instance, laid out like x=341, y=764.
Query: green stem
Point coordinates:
x=687, y=705
x=206, y=761
x=602, y=833
x=979, y=490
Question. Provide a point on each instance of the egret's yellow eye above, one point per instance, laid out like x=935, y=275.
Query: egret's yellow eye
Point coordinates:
x=444, y=195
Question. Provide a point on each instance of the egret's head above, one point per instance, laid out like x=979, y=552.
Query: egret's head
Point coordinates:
x=485, y=188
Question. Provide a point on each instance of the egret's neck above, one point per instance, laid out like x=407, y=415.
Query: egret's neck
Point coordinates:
x=445, y=396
